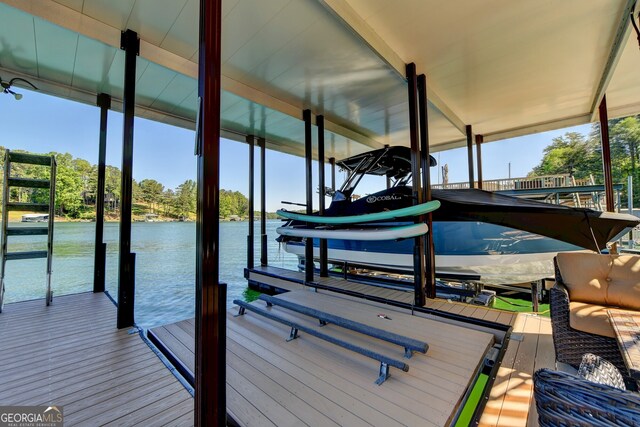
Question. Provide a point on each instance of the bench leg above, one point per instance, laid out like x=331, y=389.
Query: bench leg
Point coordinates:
x=408, y=353
x=293, y=334
x=384, y=373
x=241, y=311
x=323, y=323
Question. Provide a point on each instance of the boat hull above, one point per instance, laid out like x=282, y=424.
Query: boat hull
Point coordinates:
x=500, y=255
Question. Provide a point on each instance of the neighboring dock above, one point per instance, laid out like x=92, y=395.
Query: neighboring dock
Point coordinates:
x=70, y=354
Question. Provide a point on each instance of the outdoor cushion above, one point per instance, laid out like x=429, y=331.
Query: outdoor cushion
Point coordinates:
x=591, y=318
x=609, y=280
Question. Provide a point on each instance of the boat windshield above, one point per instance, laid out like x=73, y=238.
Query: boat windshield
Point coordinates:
x=365, y=165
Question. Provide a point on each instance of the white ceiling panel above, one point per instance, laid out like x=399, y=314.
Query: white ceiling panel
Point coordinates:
x=154, y=18
x=182, y=37
x=623, y=94
x=505, y=67
x=72, y=4
x=114, y=13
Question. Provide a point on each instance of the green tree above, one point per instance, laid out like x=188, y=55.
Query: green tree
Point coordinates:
x=571, y=154
x=185, y=200
x=151, y=191
x=68, y=191
x=624, y=135
x=112, y=187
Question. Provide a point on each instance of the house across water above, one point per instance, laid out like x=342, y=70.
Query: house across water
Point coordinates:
x=35, y=218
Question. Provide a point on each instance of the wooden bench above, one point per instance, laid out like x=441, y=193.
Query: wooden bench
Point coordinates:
x=385, y=361
x=410, y=344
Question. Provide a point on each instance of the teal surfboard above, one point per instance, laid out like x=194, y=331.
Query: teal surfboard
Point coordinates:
x=415, y=210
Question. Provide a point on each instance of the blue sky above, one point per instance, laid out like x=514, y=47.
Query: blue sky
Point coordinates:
x=42, y=123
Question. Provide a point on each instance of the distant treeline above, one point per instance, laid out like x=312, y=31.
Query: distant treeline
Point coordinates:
x=77, y=183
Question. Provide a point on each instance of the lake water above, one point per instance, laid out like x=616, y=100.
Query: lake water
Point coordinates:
x=165, y=265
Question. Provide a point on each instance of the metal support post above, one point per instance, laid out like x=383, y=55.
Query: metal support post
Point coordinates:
x=308, y=153
x=100, y=260
x=250, y=141
x=263, y=203
x=418, y=250
x=324, y=269
x=425, y=162
x=332, y=162
x=126, y=277
x=479, y=141
x=606, y=154
x=211, y=296
x=470, y=154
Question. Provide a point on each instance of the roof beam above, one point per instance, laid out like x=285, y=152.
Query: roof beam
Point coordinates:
x=519, y=131
x=619, y=41
x=343, y=11
x=87, y=26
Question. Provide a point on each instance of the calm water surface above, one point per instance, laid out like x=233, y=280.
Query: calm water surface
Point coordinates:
x=165, y=265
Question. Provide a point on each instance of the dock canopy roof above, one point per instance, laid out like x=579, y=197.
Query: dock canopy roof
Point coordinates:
x=505, y=67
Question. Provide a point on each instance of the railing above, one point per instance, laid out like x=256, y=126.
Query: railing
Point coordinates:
x=522, y=183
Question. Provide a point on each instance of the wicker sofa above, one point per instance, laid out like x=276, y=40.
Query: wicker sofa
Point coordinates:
x=586, y=285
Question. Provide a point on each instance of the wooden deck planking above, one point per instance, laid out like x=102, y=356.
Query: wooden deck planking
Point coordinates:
x=319, y=383
x=292, y=280
x=511, y=400
x=71, y=354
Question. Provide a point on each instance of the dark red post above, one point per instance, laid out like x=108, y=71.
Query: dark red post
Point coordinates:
x=210, y=340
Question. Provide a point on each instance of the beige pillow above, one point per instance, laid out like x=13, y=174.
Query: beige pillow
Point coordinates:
x=624, y=282
x=611, y=280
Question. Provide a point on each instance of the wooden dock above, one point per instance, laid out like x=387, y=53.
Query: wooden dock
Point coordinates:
x=70, y=354
x=510, y=402
x=309, y=381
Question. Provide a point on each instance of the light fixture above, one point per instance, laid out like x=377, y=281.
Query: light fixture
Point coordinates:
x=6, y=86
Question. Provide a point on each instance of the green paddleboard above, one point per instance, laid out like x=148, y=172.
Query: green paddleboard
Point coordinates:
x=354, y=219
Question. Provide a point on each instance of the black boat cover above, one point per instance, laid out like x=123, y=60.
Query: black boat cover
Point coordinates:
x=579, y=226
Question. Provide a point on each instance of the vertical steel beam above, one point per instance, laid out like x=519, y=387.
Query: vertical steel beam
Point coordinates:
x=425, y=163
x=211, y=295
x=479, y=141
x=308, y=156
x=332, y=162
x=126, y=274
x=470, y=154
x=263, y=202
x=104, y=102
x=606, y=154
x=418, y=250
x=324, y=269
x=250, y=141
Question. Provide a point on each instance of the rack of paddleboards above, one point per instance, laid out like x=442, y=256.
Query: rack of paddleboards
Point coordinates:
x=359, y=227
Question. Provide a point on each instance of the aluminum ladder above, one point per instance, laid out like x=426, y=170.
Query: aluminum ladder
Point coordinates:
x=15, y=230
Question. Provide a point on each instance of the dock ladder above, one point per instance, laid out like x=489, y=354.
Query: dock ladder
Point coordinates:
x=14, y=182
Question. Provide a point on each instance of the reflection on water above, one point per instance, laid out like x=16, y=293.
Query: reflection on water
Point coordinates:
x=165, y=265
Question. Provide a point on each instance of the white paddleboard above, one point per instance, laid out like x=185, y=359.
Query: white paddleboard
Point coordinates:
x=377, y=233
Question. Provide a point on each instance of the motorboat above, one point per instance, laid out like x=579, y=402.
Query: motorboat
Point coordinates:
x=502, y=239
